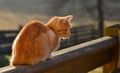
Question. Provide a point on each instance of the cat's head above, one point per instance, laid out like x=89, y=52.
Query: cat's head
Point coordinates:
x=61, y=25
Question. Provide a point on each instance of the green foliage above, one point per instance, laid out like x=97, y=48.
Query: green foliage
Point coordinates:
x=3, y=61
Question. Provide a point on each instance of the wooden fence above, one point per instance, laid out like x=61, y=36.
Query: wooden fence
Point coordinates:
x=77, y=59
x=6, y=39
x=80, y=58
x=79, y=35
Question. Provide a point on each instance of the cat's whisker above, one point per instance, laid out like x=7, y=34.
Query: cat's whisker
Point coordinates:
x=68, y=39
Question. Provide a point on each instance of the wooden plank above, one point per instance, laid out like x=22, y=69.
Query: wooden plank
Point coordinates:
x=79, y=34
x=82, y=28
x=77, y=59
x=74, y=41
x=9, y=31
x=114, y=63
x=4, y=40
x=6, y=50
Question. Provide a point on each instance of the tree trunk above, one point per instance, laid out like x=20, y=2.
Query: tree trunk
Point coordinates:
x=100, y=17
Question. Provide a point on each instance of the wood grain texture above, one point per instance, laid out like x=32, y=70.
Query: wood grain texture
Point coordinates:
x=77, y=59
x=114, y=63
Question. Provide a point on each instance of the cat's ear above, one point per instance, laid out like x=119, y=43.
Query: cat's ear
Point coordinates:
x=68, y=18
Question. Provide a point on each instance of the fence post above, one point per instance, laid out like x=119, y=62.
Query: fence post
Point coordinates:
x=114, y=63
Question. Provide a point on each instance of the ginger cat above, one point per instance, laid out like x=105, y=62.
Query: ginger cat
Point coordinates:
x=36, y=42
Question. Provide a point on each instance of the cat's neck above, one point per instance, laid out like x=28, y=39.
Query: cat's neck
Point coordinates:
x=53, y=34
x=51, y=27
x=53, y=39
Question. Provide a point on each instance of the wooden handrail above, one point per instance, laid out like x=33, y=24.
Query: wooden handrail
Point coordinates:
x=77, y=59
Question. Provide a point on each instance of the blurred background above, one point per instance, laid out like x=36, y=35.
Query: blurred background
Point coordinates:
x=92, y=15
x=14, y=12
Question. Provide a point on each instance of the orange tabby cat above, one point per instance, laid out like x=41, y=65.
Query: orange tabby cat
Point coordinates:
x=36, y=42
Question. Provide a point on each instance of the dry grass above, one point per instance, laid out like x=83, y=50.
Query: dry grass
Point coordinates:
x=11, y=21
x=111, y=22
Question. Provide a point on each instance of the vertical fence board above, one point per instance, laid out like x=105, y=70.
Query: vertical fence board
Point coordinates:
x=114, y=63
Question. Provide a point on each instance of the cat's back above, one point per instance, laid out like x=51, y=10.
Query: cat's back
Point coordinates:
x=30, y=32
x=32, y=28
x=34, y=25
x=30, y=44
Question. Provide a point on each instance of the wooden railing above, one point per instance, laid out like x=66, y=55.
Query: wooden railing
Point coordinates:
x=6, y=39
x=80, y=58
x=77, y=59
